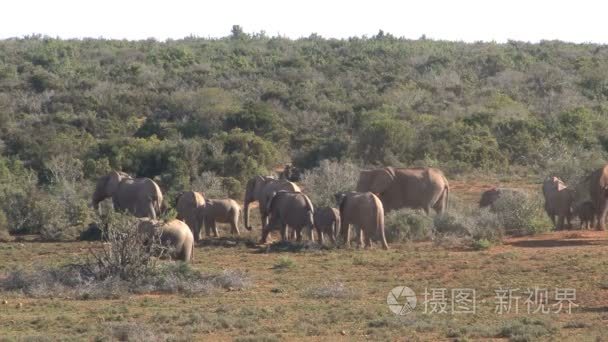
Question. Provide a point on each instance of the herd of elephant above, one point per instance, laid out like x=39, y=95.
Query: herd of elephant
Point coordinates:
x=282, y=205
x=562, y=203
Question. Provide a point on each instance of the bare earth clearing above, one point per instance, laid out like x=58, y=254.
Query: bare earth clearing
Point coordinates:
x=285, y=305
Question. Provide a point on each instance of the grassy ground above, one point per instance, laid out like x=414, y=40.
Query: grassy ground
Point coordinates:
x=330, y=294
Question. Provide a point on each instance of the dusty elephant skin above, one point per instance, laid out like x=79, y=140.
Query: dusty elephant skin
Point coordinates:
x=327, y=222
x=586, y=213
x=222, y=211
x=416, y=188
x=598, y=190
x=139, y=196
x=187, y=205
x=175, y=234
x=363, y=210
x=558, y=201
x=261, y=189
x=289, y=208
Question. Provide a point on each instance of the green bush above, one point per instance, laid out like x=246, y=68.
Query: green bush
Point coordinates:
x=407, y=225
x=475, y=228
x=4, y=235
x=520, y=213
x=323, y=182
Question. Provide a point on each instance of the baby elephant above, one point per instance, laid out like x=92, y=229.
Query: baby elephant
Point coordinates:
x=174, y=234
x=222, y=211
x=327, y=221
x=289, y=208
x=586, y=214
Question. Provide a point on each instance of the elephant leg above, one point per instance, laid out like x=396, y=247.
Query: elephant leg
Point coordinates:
x=292, y=234
x=368, y=241
x=207, y=227
x=345, y=233
x=298, y=234
x=551, y=217
x=284, y=232
x=361, y=237
x=197, y=233
x=427, y=210
x=560, y=222
x=332, y=235
x=214, y=228
x=265, y=232
x=602, y=218
x=319, y=235
x=234, y=228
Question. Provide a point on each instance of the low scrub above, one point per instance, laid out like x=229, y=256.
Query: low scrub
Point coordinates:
x=520, y=213
x=76, y=281
x=332, y=290
x=407, y=225
x=478, y=229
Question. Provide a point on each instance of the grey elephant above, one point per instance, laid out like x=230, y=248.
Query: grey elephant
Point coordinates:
x=586, y=214
x=598, y=190
x=139, y=196
x=260, y=189
x=289, y=208
x=219, y=211
x=174, y=234
x=365, y=211
x=187, y=205
x=416, y=188
x=559, y=200
x=327, y=222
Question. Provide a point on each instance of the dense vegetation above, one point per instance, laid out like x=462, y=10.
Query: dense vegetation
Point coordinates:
x=70, y=110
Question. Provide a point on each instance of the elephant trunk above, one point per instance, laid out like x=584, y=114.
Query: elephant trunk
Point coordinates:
x=246, y=214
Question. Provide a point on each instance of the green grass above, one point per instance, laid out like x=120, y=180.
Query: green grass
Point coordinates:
x=326, y=295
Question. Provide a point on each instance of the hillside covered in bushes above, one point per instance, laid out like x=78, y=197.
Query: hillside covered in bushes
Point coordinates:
x=211, y=113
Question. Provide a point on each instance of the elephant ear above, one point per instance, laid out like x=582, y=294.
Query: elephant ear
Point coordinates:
x=309, y=204
x=273, y=195
x=381, y=180
x=112, y=182
x=341, y=203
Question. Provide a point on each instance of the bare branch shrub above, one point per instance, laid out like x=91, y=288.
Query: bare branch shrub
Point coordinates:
x=330, y=177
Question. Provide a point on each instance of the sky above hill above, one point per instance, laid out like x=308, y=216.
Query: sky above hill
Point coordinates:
x=462, y=20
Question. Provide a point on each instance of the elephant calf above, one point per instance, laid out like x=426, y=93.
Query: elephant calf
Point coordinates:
x=187, y=204
x=364, y=210
x=327, y=221
x=586, y=213
x=174, y=234
x=222, y=211
x=289, y=208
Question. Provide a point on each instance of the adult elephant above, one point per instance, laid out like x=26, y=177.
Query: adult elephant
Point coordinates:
x=289, y=208
x=174, y=234
x=559, y=200
x=139, y=196
x=365, y=211
x=261, y=189
x=188, y=203
x=598, y=190
x=416, y=188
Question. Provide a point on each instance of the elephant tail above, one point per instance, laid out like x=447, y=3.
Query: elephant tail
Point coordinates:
x=380, y=221
x=446, y=199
